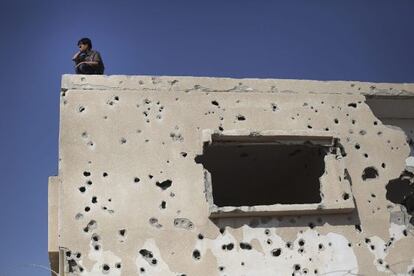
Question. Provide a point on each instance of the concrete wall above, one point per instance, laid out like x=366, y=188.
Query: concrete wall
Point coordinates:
x=131, y=200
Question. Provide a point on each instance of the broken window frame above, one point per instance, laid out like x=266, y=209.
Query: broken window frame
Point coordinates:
x=335, y=183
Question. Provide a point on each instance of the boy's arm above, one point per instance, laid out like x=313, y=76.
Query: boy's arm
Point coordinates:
x=76, y=57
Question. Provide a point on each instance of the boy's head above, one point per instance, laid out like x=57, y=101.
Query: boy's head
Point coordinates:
x=84, y=44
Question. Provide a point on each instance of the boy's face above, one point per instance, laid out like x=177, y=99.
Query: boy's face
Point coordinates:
x=83, y=47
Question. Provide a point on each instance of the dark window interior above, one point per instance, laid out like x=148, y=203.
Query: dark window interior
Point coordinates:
x=251, y=174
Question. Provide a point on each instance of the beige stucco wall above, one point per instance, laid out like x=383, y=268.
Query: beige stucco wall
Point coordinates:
x=120, y=135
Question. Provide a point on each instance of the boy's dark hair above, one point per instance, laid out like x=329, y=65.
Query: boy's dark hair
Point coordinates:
x=86, y=41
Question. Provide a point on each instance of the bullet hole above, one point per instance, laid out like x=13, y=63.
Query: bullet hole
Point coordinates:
x=136, y=179
x=301, y=242
x=357, y=146
x=196, y=254
x=220, y=128
x=375, y=123
x=142, y=269
x=276, y=252
x=369, y=173
x=365, y=155
x=82, y=189
x=87, y=209
x=362, y=132
x=353, y=121
x=245, y=246
x=221, y=268
x=354, y=105
x=345, y=196
x=183, y=223
x=86, y=174
x=321, y=247
x=372, y=247
x=163, y=205
x=105, y=268
x=118, y=265
x=89, y=182
x=296, y=267
x=78, y=216
x=150, y=176
x=94, y=199
x=309, y=126
x=240, y=117
x=84, y=134
x=122, y=232
x=105, y=174
x=269, y=241
x=336, y=121
x=383, y=165
x=215, y=103
x=288, y=244
x=95, y=237
x=123, y=140
x=311, y=225
x=164, y=185
x=81, y=109
x=222, y=230
x=183, y=154
x=154, y=222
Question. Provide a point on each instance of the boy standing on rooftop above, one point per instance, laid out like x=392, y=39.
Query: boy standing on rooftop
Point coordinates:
x=88, y=61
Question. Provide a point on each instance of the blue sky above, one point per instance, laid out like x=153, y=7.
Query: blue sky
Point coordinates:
x=324, y=40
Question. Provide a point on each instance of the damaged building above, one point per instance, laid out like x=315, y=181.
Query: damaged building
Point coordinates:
x=197, y=176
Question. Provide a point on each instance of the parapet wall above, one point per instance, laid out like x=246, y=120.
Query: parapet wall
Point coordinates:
x=132, y=198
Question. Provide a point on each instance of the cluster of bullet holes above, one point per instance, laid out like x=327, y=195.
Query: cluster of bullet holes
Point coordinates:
x=148, y=256
x=92, y=225
x=89, y=142
x=113, y=100
x=72, y=260
x=401, y=191
x=154, y=222
x=196, y=254
x=106, y=267
x=183, y=223
x=176, y=135
x=149, y=109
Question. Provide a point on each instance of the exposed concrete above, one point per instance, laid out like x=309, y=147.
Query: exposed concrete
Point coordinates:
x=132, y=199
